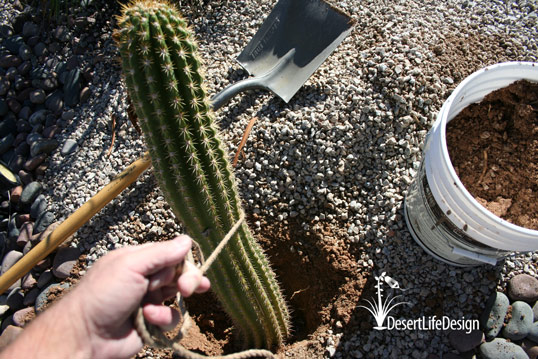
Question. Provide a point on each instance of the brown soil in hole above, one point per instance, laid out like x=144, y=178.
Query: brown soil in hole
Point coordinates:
x=321, y=282
x=493, y=146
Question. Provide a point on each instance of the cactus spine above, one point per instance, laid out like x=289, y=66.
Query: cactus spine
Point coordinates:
x=164, y=78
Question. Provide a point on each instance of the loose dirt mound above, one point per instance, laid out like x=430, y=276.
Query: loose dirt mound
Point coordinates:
x=320, y=279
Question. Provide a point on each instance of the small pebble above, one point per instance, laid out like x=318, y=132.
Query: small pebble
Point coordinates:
x=492, y=318
x=37, y=96
x=30, y=297
x=10, y=259
x=23, y=316
x=463, y=342
x=43, y=221
x=30, y=192
x=64, y=261
x=499, y=348
x=25, y=234
x=42, y=298
x=38, y=206
x=531, y=348
x=523, y=287
x=28, y=281
x=69, y=147
x=15, y=299
x=45, y=278
x=520, y=323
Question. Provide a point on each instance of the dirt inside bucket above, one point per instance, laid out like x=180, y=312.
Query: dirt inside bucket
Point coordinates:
x=493, y=146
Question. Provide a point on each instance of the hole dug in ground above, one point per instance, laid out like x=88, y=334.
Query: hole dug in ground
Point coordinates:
x=320, y=280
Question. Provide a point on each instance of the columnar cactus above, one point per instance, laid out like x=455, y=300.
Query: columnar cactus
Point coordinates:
x=164, y=78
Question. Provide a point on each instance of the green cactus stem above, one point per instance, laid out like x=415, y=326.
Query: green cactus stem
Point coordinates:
x=164, y=78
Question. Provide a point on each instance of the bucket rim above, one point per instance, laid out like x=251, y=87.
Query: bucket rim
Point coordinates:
x=443, y=120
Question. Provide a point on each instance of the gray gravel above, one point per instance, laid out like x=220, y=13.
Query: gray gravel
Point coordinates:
x=342, y=153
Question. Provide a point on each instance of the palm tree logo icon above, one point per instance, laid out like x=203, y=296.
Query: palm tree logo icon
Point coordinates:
x=381, y=309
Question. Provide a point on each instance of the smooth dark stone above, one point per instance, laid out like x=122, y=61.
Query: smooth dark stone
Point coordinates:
x=33, y=41
x=34, y=162
x=21, y=84
x=25, y=112
x=3, y=107
x=499, y=348
x=24, y=68
x=39, y=206
x=17, y=163
x=520, y=323
x=15, y=299
x=50, y=120
x=9, y=60
x=8, y=156
x=33, y=137
x=41, y=299
x=30, y=192
x=12, y=232
x=30, y=29
x=24, y=96
x=523, y=287
x=4, y=86
x=25, y=177
x=6, y=143
x=492, y=318
x=12, y=74
x=85, y=94
x=21, y=138
x=38, y=96
x=8, y=125
x=10, y=259
x=6, y=31
x=43, y=221
x=55, y=102
x=72, y=87
x=43, y=146
x=25, y=52
x=30, y=297
x=14, y=105
x=40, y=49
x=45, y=278
x=51, y=131
x=23, y=126
x=61, y=33
x=38, y=117
x=64, y=261
x=13, y=43
x=69, y=147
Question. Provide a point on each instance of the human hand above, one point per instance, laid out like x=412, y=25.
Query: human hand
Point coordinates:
x=116, y=285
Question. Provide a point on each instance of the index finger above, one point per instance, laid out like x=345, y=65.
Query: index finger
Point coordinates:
x=150, y=258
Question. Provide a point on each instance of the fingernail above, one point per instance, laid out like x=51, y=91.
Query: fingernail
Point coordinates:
x=154, y=284
x=184, y=240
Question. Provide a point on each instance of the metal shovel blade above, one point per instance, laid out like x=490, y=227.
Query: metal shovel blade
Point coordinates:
x=293, y=41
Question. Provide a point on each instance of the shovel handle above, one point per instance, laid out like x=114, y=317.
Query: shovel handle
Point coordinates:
x=105, y=195
x=74, y=222
x=250, y=83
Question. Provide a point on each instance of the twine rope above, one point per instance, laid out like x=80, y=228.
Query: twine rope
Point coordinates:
x=153, y=336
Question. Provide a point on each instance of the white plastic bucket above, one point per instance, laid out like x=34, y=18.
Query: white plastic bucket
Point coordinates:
x=442, y=216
